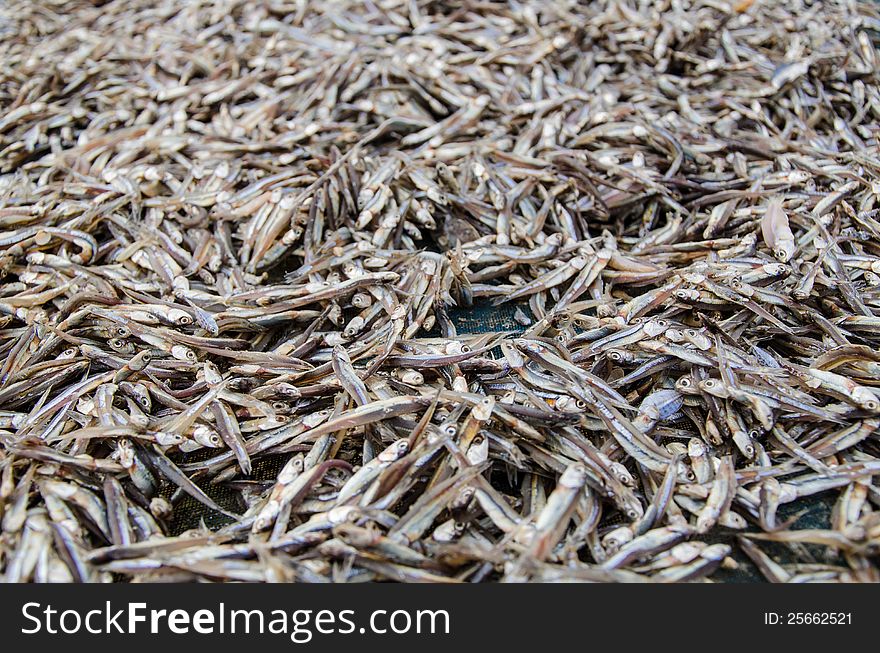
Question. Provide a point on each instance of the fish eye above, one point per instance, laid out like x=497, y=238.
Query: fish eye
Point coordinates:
x=143, y=401
x=691, y=332
x=871, y=405
x=279, y=405
x=403, y=445
x=465, y=349
x=632, y=514
x=690, y=475
x=215, y=439
x=478, y=440
x=709, y=383
x=580, y=403
x=450, y=430
x=684, y=382
x=560, y=337
x=184, y=319
x=122, y=331
x=191, y=355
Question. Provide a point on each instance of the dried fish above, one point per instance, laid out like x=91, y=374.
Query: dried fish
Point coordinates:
x=241, y=246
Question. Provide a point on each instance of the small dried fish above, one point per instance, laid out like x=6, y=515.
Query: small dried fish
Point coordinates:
x=241, y=245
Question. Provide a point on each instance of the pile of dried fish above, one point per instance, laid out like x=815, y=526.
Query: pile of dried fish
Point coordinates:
x=234, y=232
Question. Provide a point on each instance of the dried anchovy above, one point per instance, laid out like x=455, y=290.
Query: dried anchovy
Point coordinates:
x=233, y=232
